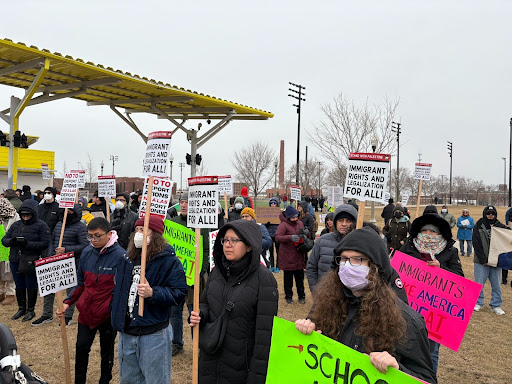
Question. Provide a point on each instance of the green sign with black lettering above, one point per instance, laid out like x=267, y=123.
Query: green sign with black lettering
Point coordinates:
x=183, y=241
x=4, y=251
x=317, y=359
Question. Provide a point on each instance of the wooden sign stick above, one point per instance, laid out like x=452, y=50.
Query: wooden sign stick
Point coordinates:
x=145, y=243
x=60, y=306
x=225, y=205
x=360, y=214
x=419, y=199
x=197, y=270
x=107, y=203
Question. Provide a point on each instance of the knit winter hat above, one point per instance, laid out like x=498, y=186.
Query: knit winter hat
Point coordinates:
x=290, y=211
x=155, y=224
x=52, y=190
x=432, y=227
x=239, y=199
x=248, y=211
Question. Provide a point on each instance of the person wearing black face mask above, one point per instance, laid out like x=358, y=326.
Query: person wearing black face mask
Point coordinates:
x=397, y=229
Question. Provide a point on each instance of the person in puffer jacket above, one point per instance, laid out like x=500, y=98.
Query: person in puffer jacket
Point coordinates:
x=239, y=277
x=93, y=294
x=272, y=228
x=145, y=342
x=74, y=240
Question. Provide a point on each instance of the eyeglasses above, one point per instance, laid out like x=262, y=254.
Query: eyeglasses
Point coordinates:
x=95, y=237
x=352, y=260
x=491, y=213
x=232, y=242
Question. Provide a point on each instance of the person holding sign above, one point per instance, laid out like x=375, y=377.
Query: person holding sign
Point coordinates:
x=266, y=241
x=241, y=296
x=329, y=224
x=397, y=229
x=8, y=216
x=431, y=241
x=28, y=238
x=99, y=204
x=465, y=223
x=93, y=295
x=144, y=348
x=272, y=228
x=355, y=305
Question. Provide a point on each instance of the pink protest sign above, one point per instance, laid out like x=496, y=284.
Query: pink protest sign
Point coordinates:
x=444, y=299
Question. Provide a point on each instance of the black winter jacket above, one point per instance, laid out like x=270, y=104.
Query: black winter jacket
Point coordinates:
x=243, y=356
x=49, y=213
x=126, y=227
x=307, y=219
x=35, y=232
x=75, y=235
x=482, y=237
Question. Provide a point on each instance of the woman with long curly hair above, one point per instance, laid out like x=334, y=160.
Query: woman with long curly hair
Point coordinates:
x=355, y=305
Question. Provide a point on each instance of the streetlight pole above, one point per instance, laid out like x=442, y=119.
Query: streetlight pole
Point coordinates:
x=375, y=142
x=102, y=164
x=504, y=180
x=182, y=165
x=114, y=158
x=396, y=128
x=298, y=95
x=450, y=152
x=510, y=168
x=442, y=187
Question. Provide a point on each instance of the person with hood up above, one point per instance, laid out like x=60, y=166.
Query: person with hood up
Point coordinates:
x=8, y=216
x=238, y=277
x=13, y=198
x=483, y=271
x=291, y=261
x=448, y=216
x=355, y=306
x=98, y=266
x=320, y=259
x=431, y=241
x=244, y=192
x=430, y=209
x=272, y=228
x=123, y=219
x=27, y=238
x=387, y=211
x=397, y=229
x=74, y=240
x=86, y=214
x=134, y=203
x=305, y=216
x=236, y=211
x=329, y=224
x=26, y=194
x=49, y=210
x=145, y=343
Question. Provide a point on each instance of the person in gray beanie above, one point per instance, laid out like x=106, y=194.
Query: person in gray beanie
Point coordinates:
x=235, y=212
x=319, y=262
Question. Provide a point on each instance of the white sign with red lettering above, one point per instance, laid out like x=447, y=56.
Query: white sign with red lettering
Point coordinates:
x=295, y=192
x=203, y=196
x=106, y=186
x=158, y=150
x=213, y=237
x=81, y=177
x=68, y=191
x=55, y=273
x=367, y=176
x=45, y=171
x=226, y=185
x=160, y=197
x=422, y=171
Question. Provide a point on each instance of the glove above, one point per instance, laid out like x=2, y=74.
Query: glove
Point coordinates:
x=12, y=243
x=306, y=231
x=21, y=242
x=295, y=238
x=464, y=227
x=267, y=224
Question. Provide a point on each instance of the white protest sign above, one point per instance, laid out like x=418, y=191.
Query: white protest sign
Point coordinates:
x=45, y=171
x=422, y=171
x=203, y=195
x=156, y=161
x=68, y=191
x=334, y=196
x=213, y=236
x=295, y=192
x=367, y=176
x=405, y=198
x=386, y=198
x=226, y=185
x=56, y=273
x=106, y=186
x=81, y=177
x=160, y=197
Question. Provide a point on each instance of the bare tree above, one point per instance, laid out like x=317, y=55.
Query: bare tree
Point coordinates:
x=405, y=181
x=308, y=175
x=351, y=128
x=201, y=170
x=255, y=166
x=337, y=175
x=90, y=169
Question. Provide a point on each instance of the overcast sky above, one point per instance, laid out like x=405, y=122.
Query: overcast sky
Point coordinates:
x=449, y=63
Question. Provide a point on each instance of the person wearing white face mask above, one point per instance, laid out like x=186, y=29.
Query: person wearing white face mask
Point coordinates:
x=49, y=210
x=236, y=211
x=123, y=219
x=145, y=346
x=448, y=216
x=355, y=305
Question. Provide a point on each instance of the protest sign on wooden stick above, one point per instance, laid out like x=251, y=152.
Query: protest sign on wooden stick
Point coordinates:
x=145, y=244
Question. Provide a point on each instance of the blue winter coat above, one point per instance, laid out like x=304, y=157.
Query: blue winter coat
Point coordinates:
x=165, y=274
x=465, y=233
x=266, y=241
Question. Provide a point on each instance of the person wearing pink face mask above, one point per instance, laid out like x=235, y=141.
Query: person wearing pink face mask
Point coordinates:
x=355, y=305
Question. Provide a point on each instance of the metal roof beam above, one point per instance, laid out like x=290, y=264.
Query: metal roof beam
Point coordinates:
x=214, y=117
x=184, y=111
x=163, y=115
x=79, y=84
x=5, y=118
x=156, y=100
x=46, y=98
x=22, y=66
x=128, y=120
x=214, y=130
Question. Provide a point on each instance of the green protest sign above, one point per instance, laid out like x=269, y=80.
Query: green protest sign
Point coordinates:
x=182, y=240
x=317, y=359
x=4, y=251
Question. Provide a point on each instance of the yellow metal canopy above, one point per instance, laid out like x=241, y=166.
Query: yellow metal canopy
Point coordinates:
x=99, y=85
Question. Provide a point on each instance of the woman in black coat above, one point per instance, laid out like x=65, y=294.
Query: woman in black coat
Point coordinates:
x=238, y=276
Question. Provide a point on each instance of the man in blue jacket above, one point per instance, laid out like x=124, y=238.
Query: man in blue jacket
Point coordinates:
x=465, y=223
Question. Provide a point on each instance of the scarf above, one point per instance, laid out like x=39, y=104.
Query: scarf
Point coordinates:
x=431, y=244
x=7, y=211
x=113, y=239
